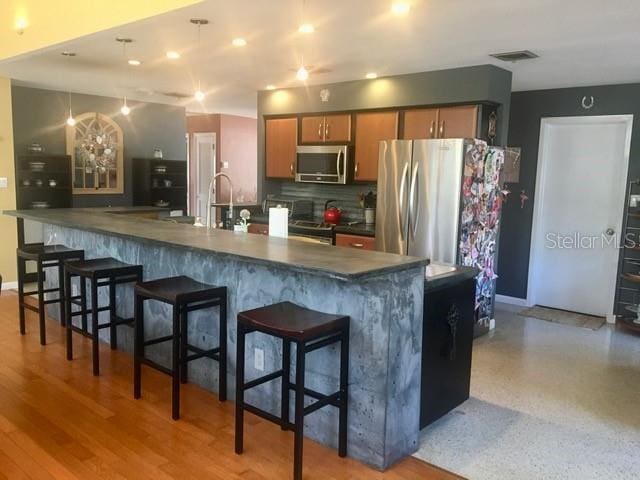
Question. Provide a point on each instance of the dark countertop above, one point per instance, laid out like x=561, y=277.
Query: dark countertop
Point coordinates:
x=340, y=263
x=364, y=229
x=441, y=275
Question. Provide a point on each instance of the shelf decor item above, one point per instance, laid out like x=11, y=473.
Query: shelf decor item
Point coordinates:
x=368, y=204
x=95, y=144
x=160, y=183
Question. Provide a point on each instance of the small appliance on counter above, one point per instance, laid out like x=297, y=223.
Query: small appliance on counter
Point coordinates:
x=332, y=214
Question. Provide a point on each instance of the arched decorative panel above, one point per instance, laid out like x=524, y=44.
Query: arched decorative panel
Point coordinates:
x=95, y=144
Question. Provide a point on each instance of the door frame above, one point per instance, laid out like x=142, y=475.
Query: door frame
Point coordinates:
x=196, y=159
x=534, y=251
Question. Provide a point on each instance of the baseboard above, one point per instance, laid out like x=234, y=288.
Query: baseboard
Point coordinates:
x=520, y=302
x=9, y=286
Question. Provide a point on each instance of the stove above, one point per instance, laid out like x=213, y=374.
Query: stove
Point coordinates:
x=320, y=231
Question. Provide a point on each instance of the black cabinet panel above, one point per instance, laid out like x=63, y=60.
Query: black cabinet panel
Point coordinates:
x=447, y=341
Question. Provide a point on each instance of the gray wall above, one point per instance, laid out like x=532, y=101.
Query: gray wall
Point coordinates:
x=40, y=115
x=527, y=111
x=483, y=83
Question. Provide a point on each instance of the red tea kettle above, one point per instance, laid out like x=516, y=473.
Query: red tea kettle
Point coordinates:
x=332, y=214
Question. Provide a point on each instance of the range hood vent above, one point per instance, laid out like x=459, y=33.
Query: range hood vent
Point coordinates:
x=515, y=56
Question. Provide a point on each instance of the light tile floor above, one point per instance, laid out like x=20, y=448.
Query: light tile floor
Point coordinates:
x=548, y=401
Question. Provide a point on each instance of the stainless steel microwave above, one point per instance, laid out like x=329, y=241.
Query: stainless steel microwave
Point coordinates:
x=322, y=164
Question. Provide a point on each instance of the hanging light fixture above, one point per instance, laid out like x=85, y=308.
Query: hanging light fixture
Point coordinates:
x=125, y=110
x=70, y=120
x=199, y=94
x=302, y=74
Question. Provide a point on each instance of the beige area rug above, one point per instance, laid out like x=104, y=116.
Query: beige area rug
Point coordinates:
x=564, y=317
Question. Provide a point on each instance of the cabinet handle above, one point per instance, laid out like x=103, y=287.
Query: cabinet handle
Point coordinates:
x=326, y=131
x=291, y=169
x=264, y=232
x=432, y=129
x=356, y=171
x=356, y=245
x=320, y=130
x=442, y=129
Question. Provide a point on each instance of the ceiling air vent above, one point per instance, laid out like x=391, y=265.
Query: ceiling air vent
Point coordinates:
x=515, y=56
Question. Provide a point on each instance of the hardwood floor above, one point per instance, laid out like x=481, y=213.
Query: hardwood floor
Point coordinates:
x=57, y=421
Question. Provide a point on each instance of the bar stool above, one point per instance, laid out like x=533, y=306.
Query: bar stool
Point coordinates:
x=309, y=330
x=101, y=272
x=184, y=295
x=45, y=256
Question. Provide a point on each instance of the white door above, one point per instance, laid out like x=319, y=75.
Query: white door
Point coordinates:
x=579, y=203
x=205, y=159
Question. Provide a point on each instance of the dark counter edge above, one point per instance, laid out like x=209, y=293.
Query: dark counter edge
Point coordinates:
x=368, y=275
x=450, y=278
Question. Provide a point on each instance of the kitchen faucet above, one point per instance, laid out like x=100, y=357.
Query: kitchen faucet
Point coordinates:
x=212, y=187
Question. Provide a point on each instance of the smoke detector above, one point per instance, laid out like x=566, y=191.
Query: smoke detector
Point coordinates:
x=515, y=56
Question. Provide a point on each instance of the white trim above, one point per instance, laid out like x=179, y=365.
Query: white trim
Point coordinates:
x=539, y=191
x=521, y=302
x=9, y=286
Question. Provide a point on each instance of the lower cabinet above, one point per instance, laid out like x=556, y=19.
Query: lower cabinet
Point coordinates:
x=447, y=339
x=355, y=241
x=258, y=228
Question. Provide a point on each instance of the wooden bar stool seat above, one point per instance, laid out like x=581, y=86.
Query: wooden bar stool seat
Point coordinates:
x=45, y=256
x=310, y=331
x=185, y=295
x=100, y=272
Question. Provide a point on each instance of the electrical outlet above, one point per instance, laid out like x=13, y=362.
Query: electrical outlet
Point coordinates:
x=225, y=164
x=4, y=182
x=258, y=359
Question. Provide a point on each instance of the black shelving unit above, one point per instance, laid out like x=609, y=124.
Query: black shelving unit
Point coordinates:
x=47, y=187
x=159, y=180
x=628, y=287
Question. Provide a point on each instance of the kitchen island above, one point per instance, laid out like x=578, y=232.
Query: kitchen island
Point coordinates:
x=382, y=293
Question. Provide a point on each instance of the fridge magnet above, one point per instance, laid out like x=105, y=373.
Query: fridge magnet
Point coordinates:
x=523, y=198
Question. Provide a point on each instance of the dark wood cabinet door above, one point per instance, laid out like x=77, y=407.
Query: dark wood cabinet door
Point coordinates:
x=337, y=128
x=420, y=124
x=371, y=129
x=458, y=122
x=355, y=241
x=312, y=129
x=281, y=140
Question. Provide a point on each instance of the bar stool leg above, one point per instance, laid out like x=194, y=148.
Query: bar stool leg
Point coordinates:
x=83, y=303
x=344, y=394
x=183, y=345
x=63, y=317
x=222, y=363
x=175, y=377
x=113, y=329
x=41, y=312
x=67, y=312
x=21, y=275
x=95, y=347
x=286, y=376
x=240, y=390
x=138, y=344
x=299, y=414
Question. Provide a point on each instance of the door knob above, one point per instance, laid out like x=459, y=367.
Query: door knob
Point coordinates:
x=609, y=231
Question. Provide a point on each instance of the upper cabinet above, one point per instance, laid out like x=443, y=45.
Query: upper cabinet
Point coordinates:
x=326, y=128
x=371, y=129
x=281, y=140
x=449, y=122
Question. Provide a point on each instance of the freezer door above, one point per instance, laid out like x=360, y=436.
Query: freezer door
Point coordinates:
x=392, y=210
x=434, y=199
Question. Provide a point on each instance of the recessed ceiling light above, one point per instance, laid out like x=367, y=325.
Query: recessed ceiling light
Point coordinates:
x=371, y=75
x=173, y=55
x=306, y=28
x=239, y=42
x=134, y=62
x=270, y=87
x=68, y=54
x=199, y=95
x=302, y=74
x=400, y=8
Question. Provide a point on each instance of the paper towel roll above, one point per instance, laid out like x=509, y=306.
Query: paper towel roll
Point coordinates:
x=279, y=222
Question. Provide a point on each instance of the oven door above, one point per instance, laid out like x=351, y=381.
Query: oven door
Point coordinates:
x=322, y=164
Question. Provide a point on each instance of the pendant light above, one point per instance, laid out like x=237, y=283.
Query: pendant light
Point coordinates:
x=199, y=94
x=70, y=120
x=125, y=110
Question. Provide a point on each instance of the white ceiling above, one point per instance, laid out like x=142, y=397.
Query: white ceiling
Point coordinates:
x=581, y=42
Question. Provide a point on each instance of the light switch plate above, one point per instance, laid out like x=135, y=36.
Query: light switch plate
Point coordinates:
x=4, y=182
x=258, y=361
x=225, y=164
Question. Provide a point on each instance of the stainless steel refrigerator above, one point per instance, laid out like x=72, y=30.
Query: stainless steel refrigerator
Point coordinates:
x=441, y=199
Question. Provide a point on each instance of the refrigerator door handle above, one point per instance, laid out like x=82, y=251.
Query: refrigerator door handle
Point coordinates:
x=403, y=186
x=413, y=212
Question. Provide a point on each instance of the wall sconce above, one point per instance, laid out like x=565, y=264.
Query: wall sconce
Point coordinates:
x=21, y=25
